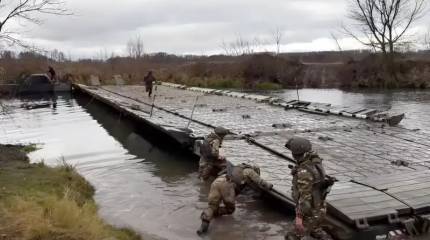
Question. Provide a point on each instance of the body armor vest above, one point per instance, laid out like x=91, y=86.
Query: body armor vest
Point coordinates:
x=322, y=183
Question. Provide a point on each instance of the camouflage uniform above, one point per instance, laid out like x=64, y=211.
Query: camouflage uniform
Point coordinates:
x=225, y=188
x=309, y=193
x=213, y=164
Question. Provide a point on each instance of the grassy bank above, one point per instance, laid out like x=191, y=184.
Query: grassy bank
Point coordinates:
x=221, y=83
x=40, y=202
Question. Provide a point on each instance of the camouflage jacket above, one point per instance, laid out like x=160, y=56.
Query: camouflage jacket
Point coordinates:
x=215, y=143
x=305, y=188
x=149, y=80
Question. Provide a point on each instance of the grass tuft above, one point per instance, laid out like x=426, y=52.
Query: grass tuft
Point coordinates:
x=29, y=148
x=268, y=86
x=42, y=203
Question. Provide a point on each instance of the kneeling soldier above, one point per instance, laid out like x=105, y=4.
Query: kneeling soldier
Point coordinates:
x=211, y=162
x=225, y=188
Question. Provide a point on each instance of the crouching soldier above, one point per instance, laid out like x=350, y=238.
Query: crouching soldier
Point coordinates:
x=310, y=187
x=225, y=189
x=211, y=162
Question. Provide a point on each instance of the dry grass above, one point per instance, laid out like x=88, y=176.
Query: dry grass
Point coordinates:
x=38, y=202
x=49, y=217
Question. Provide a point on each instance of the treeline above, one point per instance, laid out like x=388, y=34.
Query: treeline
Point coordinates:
x=346, y=69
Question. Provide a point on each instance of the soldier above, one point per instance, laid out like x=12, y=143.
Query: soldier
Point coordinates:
x=149, y=81
x=211, y=163
x=225, y=188
x=309, y=190
x=52, y=74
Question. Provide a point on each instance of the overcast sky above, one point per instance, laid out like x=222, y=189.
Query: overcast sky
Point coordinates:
x=192, y=26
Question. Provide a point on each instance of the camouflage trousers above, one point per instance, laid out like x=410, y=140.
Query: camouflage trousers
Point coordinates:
x=313, y=225
x=221, y=192
x=208, y=169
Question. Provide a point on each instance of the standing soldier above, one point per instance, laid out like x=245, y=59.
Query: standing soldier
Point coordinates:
x=149, y=81
x=52, y=74
x=211, y=163
x=310, y=188
x=225, y=188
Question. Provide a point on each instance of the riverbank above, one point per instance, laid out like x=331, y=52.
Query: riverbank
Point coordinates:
x=259, y=71
x=40, y=202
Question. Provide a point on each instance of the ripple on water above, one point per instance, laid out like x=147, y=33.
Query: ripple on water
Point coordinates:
x=138, y=184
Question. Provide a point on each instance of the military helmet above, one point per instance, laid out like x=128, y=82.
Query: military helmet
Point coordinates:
x=220, y=131
x=298, y=145
x=254, y=167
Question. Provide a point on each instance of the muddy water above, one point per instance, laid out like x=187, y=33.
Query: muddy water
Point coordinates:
x=138, y=184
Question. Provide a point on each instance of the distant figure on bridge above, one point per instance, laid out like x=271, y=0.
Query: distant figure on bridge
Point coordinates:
x=211, y=162
x=149, y=82
x=52, y=74
x=309, y=190
x=225, y=189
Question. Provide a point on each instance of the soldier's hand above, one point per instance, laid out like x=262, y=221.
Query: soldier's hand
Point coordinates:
x=266, y=185
x=299, y=225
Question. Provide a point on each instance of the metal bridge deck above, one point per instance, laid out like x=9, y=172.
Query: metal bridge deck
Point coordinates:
x=359, y=153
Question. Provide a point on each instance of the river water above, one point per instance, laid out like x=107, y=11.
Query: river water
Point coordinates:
x=150, y=188
x=415, y=104
x=140, y=185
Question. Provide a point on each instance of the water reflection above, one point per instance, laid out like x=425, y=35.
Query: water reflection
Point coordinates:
x=138, y=184
x=169, y=164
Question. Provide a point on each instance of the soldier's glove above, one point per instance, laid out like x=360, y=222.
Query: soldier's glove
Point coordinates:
x=266, y=185
x=300, y=228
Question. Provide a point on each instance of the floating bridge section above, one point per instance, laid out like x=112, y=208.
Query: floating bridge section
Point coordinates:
x=383, y=171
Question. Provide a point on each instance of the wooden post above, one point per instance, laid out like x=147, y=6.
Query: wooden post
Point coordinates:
x=192, y=112
x=152, y=106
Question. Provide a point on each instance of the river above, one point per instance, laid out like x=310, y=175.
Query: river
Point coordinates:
x=415, y=104
x=150, y=188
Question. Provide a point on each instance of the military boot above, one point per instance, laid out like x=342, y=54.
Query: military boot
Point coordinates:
x=203, y=228
x=321, y=234
x=291, y=236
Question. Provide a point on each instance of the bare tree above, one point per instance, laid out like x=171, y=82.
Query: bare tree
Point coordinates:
x=27, y=10
x=277, y=38
x=427, y=40
x=135, y=47
x=336, y=40
x=57, y=55
x=240, y=46
x=382, y=24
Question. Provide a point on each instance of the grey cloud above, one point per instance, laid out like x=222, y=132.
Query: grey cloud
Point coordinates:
x=188, y=25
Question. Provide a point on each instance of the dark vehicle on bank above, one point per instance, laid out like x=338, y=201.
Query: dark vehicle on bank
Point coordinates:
x=36, y=83
x=41, y=83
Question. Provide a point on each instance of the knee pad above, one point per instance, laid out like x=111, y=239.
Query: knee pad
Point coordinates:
x=204, y=217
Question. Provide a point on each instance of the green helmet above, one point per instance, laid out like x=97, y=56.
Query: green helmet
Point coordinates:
x=299, y=146
x=220, y=131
